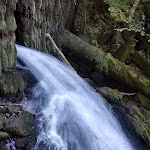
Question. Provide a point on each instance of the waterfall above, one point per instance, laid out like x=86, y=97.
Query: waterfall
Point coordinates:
x=71, y=115
x=10, y=145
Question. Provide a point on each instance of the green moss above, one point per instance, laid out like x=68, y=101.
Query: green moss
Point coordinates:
x=3, y=135
x=11, y=85
x=141, y=131
x=125, y=50
x=142, y=100
x=2, y=7
x=136, y=111
x=140, y=60
x=112, y=95
x=21, y=125
x=1, y=125
x=26, y=39
x=89, y=81
x=11, y=23
x=146, y=113
x=14, y=108
x=4, y=58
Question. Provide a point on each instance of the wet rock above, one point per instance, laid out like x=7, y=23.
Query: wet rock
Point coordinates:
x=2, y=109
x=15, y=108
x=19, y=124
x=112, y=95
x=7, y=39
x=36, y=18
x=3, y=145
x=142, y=100
x=2, y=117
x=135, y=119
x=139, y=125
x=90, y=82
x=11, y=85
x=3, y=135
x=124, y=51
x=20, y=142
x=1, y=125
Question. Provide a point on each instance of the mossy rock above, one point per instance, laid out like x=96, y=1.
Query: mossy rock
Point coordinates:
x=112, y=95
x=142, y=100
x=3, y=135
x=141, y=61
x=11, y=85
x=117, y=14
x=124, y=51
x=141, y=131
x=90, y=82
x=1, y=125
x=20, y=125
x=2, y=117
x=136, y=117
x=136, y=112
x=13, y=108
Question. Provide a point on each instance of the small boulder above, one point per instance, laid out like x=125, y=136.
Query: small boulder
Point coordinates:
x=3, y=135
x=142, y=100
x=112, y=95
x=19, y=125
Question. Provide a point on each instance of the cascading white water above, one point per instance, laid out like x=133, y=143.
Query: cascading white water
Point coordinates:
x=72, y=116
x=10, y=145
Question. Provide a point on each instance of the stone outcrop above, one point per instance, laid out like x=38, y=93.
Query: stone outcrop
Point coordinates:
x=16, y=123
x=35, y=18
x=7, y=36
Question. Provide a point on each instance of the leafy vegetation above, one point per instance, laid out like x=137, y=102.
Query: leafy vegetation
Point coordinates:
x=130, y=13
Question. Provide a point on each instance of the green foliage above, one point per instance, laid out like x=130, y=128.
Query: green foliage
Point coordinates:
x=121, y=10
x=145, y=1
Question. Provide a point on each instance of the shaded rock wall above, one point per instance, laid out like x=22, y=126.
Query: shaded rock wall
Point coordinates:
x=7, y=36
x=35, y=18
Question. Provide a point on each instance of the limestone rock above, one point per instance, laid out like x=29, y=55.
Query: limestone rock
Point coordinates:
x=20, y=125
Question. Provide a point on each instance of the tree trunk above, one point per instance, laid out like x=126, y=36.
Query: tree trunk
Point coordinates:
x=105, y=63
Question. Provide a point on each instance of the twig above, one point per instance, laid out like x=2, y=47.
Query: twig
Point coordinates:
x=128, y=94
x=57, y=51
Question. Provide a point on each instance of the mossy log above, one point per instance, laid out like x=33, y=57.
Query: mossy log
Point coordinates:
x=141, y=62
x=124, y=51
x=105, y=63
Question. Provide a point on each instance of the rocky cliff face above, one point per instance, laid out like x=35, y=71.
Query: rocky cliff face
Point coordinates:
x=35, y=18
x=7, y=36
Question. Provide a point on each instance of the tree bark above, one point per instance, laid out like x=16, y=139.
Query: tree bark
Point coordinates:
x=105, y=63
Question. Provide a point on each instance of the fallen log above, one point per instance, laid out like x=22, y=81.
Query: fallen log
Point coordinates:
x=141, y=62
x=124, y=51
x=105, y=63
